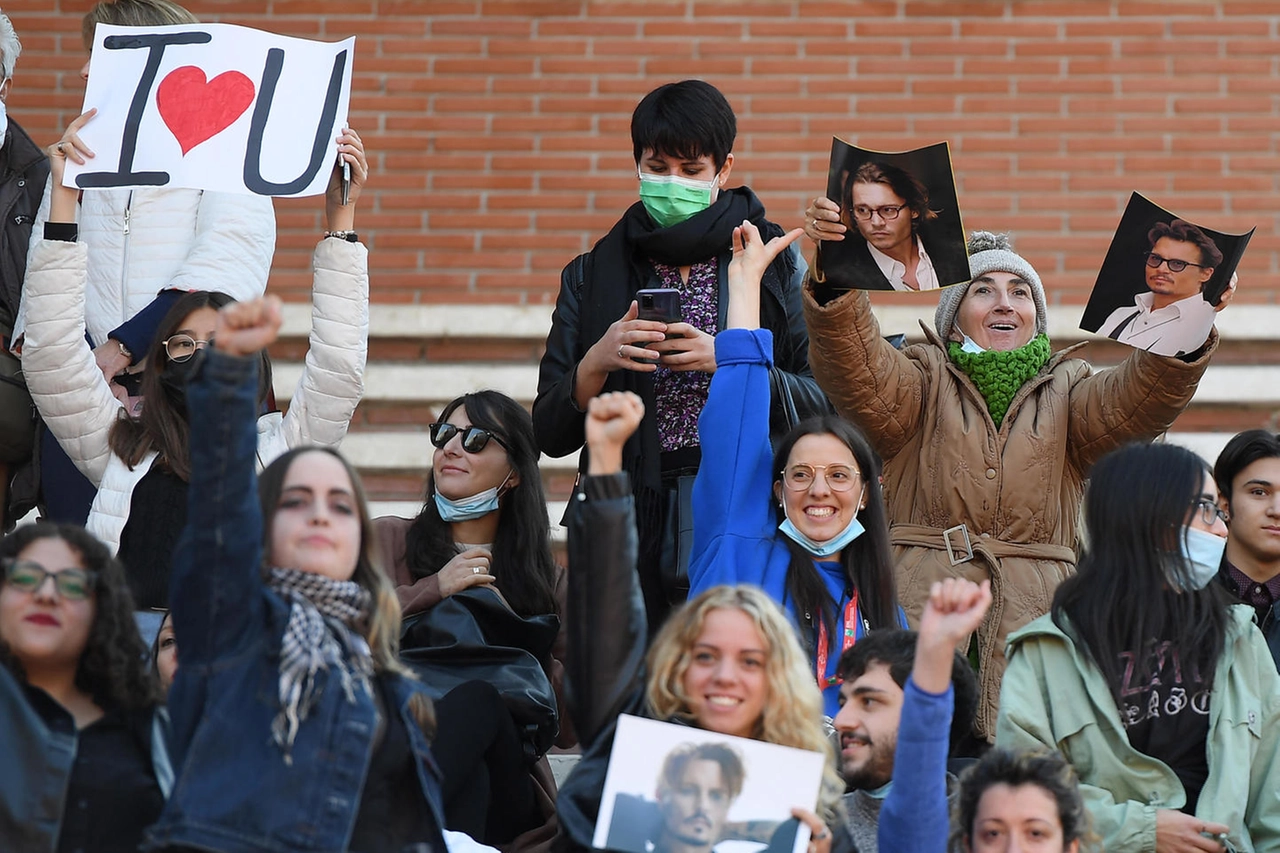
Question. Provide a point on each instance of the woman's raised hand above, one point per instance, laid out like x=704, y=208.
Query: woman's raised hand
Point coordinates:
x=469, y=568
x=822, y=220
x=245, y=327
x=751, y=256
x=611, y=419
x=69, y=147
x=340, y=217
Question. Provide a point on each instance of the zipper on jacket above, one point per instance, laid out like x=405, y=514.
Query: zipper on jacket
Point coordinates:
x=124, y=261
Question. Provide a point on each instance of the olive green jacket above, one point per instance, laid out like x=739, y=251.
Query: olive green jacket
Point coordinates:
x=1054, y=697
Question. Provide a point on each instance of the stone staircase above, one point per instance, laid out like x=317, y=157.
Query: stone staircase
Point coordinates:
x=422, y=356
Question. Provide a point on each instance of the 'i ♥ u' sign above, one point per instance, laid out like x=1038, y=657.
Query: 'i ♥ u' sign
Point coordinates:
x=214, y=107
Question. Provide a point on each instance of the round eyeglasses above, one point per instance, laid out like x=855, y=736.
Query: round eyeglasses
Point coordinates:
x=839, y=477
x=180, y=348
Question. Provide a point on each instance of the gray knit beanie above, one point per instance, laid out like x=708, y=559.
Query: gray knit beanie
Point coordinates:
x=990, y=253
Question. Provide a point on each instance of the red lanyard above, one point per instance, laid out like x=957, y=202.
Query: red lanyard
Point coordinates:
x=850, y=634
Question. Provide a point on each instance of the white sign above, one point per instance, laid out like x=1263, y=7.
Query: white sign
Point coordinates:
x=213, y=107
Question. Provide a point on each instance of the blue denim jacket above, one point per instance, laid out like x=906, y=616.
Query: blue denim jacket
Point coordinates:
x=235, y=791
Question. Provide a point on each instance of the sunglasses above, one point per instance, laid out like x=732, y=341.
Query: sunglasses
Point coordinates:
x=29, y=576
x=474, y=439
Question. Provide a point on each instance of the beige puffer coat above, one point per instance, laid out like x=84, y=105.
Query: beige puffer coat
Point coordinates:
x=1012, y=493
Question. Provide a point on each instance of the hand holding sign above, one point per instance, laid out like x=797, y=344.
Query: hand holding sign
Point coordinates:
x=340, y=217
x=213, y=107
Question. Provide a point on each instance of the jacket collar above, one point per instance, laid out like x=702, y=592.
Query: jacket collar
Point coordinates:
x=22, y=152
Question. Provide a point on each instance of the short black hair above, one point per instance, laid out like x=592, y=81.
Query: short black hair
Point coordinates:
x=896, y=649
x=689, y=119
x=1242, y=451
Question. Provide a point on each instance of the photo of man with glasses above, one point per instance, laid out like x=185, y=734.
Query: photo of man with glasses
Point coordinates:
x=899, y=225
x=888, y=206
x=1172, y=316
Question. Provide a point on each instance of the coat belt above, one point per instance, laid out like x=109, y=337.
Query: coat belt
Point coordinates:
x=961, y=546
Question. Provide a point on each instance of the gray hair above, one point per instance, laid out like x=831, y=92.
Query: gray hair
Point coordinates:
x=10, y=47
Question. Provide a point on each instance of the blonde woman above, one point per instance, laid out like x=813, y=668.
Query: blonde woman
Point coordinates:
x=728, y=661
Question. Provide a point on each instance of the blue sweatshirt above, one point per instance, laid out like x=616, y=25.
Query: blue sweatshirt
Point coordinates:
x=915, y=818
x=735, y=529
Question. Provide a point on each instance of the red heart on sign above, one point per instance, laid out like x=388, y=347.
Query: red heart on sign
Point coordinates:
x=195, y=110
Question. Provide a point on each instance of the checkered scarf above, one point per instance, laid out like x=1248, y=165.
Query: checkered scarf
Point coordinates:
x=325, y=632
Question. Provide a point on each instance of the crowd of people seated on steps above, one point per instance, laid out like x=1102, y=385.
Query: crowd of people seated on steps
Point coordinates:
x=208, y=643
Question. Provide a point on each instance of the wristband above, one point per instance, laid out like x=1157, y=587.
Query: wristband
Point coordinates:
x=349, y=236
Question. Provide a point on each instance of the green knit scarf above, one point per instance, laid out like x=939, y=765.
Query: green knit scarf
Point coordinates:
x=999, y=375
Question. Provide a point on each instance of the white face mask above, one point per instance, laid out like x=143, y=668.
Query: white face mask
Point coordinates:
x=4, y=120
x=969, y=344
x=1203, y=552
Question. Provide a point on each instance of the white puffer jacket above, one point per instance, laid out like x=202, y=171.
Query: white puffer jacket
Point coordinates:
x=144, y=241
x=79, y=408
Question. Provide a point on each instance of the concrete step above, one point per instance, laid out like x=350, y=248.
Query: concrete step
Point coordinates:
x=1256, y=385
x=532, y=322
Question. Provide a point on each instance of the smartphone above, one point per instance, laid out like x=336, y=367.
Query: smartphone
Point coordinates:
x=660, y=304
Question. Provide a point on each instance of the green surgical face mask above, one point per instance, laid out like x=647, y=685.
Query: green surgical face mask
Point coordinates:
x=671, y=199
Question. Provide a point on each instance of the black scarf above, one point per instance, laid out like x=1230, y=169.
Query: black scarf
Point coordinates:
x=637, y=240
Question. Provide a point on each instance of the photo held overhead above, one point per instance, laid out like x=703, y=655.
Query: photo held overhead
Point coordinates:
x=1163, y=282
x=901, y=217
x=213, y=107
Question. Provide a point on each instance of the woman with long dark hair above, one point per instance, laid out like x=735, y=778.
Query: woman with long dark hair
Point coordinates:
x=485, y=510
x=484, y=524
x=139, y=461
x=807, y=522
x=295, y=725
x=1144, y=674
x=85, y=764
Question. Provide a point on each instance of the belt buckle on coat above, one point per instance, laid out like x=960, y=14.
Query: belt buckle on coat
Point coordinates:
x=964, y=537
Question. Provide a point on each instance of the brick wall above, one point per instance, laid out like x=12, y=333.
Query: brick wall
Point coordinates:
x=499, y=129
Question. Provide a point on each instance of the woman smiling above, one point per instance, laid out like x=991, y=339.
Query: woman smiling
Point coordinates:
x=987, y=435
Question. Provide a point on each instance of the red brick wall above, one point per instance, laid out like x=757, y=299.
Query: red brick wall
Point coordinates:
x=499, y=129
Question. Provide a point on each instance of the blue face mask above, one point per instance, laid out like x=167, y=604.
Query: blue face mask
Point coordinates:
x=1203, y=551
x=839, y=542
x=466, y=509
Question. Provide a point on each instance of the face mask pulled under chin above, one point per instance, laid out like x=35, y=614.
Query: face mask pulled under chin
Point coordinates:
x=969, y=345
x=475, y=506
x=671, y=199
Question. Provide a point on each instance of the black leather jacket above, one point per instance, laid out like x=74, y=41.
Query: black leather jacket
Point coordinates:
x=604, y=673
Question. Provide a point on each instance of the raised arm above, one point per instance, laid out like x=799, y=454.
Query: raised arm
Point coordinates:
x=864, y=376
x=605, y=611
x=216, y=585
x=1135, y=401
x=69, y=390
x=332, y=379
x=915, y=814
x=732, y=495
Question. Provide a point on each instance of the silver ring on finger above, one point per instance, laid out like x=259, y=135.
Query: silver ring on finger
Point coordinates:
x=475, y=570
x=60, y=151
x=620, y=355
